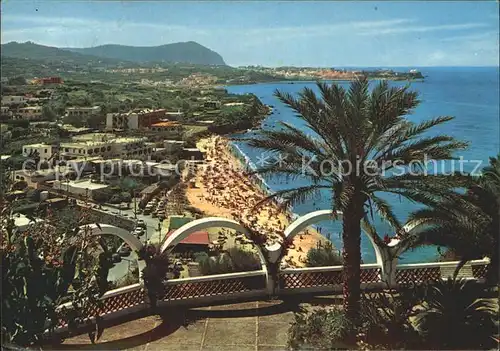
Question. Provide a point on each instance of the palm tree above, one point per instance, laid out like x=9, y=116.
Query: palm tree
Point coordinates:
x=358, y=127
x=468, y=224
x=455, y=315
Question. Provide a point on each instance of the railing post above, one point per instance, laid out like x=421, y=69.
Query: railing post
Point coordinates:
x=388, y=265
x=273, y=255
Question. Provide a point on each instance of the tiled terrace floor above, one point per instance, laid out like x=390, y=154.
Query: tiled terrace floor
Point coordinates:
x=261, y=325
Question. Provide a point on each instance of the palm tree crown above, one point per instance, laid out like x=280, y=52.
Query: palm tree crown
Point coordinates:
x=468, y=224
x=358, y=143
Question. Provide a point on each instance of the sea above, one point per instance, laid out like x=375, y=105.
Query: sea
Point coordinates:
x=470, y=94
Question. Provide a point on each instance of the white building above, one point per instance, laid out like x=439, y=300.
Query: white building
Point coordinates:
x=23, y=223
x=173, y=145
x=83, y=187
x=29, y=113
x=107, y=148
x=83, y=111
x=6, y=112
x=13, y=100
x=44, y=151
x=136, y=119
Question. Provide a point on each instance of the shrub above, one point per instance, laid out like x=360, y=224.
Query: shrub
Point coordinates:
x=385, y=318
x=320, y=330
x=232, y=261
x=243, y=261
x=454, y=315
x=323, y=255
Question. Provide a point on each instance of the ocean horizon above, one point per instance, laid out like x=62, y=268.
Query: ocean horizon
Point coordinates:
x=470, y=94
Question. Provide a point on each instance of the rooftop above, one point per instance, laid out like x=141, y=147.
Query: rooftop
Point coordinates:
x=174, y=141
x=38, y=145
x=166, y=124
x=85, y=184
x=83, y=108
x=196, y=238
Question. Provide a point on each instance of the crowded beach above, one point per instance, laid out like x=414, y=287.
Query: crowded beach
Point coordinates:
x=221, y=188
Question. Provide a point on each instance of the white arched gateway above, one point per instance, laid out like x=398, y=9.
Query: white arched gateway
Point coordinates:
x=306, y=220
x=209, y=222
x=386, y=255
x=101, y=229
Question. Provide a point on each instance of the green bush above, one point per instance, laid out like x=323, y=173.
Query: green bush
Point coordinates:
x=232, y=261
x=323, y=255
x=321, y=330
x=385, y=318
x=455, y=315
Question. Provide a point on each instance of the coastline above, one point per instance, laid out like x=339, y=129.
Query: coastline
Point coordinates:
x=230, y=193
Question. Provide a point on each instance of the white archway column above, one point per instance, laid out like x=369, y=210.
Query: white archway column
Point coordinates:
x=218, y=222
x=383, y=256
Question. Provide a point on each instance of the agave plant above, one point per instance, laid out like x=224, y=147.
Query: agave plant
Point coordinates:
x=455, y=315
x=347, y=128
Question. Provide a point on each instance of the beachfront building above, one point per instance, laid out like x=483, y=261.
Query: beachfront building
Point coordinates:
x=44, y=151
x=105, y=145
x=192, y=153
x=135, y=119
x=83, y=112
x=194, y=242
x=29, y=113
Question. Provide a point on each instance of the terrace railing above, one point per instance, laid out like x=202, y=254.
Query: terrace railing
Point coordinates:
x=238, y=287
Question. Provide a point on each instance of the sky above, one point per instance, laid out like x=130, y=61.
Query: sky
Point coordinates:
x=276, y=33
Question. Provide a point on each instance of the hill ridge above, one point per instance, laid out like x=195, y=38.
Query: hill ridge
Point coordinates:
x=183, y=52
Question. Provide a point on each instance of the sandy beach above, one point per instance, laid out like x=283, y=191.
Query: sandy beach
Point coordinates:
x=221, y=189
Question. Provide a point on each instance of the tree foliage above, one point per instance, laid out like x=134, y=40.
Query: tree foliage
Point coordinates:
x=347, y=127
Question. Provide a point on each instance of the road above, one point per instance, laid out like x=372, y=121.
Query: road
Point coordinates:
x=152, y=236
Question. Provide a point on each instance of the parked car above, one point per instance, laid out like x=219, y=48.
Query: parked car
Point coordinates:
x=116, y=258
x=124, y=250
x=141, y=223
x=138, y=232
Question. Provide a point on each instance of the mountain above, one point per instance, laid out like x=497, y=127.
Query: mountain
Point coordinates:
x=49, y=54
x=186, y=52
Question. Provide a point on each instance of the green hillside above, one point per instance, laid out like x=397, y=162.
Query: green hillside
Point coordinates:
x=188, y=52
x=48, y=54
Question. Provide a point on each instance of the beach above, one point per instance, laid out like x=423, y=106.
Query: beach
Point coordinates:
x=222, y=189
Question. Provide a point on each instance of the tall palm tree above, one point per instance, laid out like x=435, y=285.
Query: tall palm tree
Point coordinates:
x=468, y=224
x=357, y=126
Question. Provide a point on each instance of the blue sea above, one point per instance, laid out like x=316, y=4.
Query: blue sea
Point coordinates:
x=470, y=94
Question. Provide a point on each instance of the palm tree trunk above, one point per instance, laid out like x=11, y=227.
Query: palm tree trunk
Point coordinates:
x=352, y=257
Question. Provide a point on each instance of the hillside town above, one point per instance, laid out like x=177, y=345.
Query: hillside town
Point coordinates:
x=125, y=164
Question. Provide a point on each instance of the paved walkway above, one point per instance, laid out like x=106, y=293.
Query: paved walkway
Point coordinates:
x=261, y=325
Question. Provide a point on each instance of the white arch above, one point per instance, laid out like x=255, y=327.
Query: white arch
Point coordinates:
x=134, y=243
x=306, y=220
x=209, y=222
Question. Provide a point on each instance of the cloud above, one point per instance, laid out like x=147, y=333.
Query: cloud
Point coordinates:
x=335, y=43
x=493, y=36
